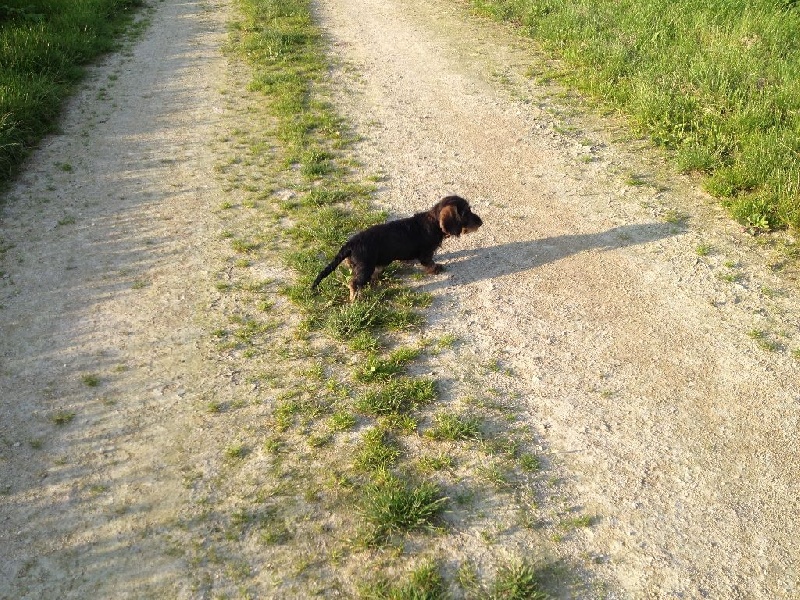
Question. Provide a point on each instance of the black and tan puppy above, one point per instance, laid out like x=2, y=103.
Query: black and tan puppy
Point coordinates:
x=413, y=238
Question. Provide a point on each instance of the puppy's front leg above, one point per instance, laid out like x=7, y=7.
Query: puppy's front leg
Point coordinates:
x=431, y=268
x=375, y=275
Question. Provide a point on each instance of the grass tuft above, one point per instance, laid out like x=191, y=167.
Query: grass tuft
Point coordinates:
x=391, y=506
x=517, y=580
x=376, y=451
x=455, y=427
x=424, y=583
x=62, y=417
x=398, y=396
x=381, y=369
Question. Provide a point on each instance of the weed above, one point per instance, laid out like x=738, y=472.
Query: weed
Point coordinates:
x=530, y=462
x=431, y=464
x=342, y=421
x=731, y=277
x=467, y=578
x=365, y=341
x=577, y=522
x=763, y=340
x=494, y=474
x=635, y=180
x=494, y=366
x=243, y=247
x=447, y=341
x=500, y=445
x=353, y=319
x=675, y=217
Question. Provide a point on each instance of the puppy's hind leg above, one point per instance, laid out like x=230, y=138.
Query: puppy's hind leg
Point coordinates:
x=362, y=274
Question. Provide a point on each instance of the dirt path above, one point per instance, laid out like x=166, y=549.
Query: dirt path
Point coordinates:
x=107, y=277
x=633, y=351
x=681, y=431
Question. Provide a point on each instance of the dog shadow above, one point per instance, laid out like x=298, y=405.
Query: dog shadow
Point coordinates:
x=517, y=257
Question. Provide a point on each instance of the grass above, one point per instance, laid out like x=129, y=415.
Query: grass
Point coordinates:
x=62, y=417
x=455, y=427
x=423, y=583
x=716, y=84
x=391, y=506
x=377, y=368
x=398, y=396
x=44, y=46
x=376, y=451
x=517, y=580
x=764, y=340
x=90, y=380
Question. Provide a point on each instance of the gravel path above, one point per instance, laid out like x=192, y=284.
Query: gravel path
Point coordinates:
x=680, y=430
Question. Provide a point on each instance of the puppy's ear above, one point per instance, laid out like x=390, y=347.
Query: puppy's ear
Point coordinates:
x=450, y=221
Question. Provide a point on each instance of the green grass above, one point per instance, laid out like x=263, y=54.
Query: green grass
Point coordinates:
x=398, y=396
x=44, y=45
x=376, y=451
x=62, y=417
x=377, y=368
x=423, y=583
x=454, y=427
x=764, y=340
x=393, y=506
x=517, y=580
x=716, y=83
x=90, y=380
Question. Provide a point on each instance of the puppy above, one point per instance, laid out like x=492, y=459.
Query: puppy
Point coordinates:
x=413, y=238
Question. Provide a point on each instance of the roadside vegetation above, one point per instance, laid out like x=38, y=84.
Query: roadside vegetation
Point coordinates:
x=44, y=45
x=715, y=83
x=370, y=456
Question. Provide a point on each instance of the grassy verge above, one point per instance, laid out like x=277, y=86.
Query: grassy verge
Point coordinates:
x=718, y=84
x=43, y=46
x=354, y=470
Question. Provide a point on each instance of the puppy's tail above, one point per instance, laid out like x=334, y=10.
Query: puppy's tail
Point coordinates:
x=343, y=254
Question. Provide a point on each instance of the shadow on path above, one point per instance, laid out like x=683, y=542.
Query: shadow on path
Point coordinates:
x=478, y=264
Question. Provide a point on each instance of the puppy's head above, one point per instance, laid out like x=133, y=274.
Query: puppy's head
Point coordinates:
x=455, y=216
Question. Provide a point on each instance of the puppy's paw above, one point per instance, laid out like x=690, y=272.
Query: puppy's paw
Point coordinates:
x=434, y=269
